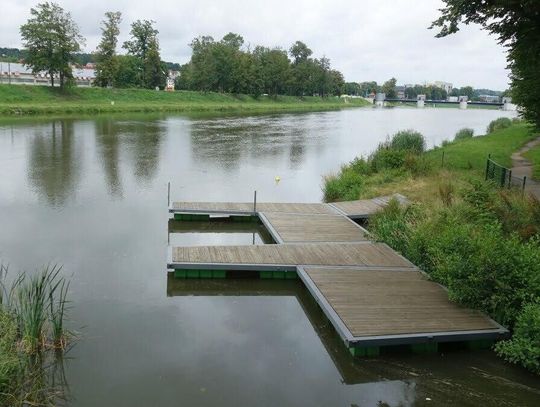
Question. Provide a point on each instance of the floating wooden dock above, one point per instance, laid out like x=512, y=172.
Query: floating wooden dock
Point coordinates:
x=360, y=209
x=372, y=295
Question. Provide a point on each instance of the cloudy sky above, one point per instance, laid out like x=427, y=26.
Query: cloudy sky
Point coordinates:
x=364, y=39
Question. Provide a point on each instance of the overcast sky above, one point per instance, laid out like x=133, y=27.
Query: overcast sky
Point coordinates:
x=364, y=39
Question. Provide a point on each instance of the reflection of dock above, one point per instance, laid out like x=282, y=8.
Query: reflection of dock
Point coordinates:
x=350, y=372
x=372, y=295
x=220, y=227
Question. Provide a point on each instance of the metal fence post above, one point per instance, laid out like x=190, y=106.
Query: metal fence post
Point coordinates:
x=255, y=201
x=524, y=182
x=509, y=179
x=487, y=166
x=502, y=181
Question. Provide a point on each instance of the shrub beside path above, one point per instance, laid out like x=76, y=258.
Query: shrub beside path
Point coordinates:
x=523, y=167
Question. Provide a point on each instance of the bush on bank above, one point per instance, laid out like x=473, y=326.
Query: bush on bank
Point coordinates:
x=485, y=248
x=401, y=152
x=524, y=347
x=498, y=124
x=463, y=134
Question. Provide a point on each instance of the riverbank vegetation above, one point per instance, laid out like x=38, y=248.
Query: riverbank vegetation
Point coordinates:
x=481, y=242
x=39, y=100
x=33, y=337
x=533, y=155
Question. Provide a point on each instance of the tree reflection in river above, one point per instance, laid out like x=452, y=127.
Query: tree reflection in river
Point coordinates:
x=108, y=148
x=54, y=162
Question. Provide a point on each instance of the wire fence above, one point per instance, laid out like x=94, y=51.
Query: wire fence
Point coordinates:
x=503, y=176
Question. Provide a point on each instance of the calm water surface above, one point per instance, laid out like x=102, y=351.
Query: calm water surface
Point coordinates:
x=91, y=194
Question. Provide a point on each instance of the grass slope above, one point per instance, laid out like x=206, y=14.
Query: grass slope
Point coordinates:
x=40, y=100
x=463, y=160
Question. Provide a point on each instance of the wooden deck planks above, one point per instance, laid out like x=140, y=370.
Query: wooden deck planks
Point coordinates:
x=389, y=302
x=247, y=207
x=314, y=228
x=366, y=207
x=320, y=254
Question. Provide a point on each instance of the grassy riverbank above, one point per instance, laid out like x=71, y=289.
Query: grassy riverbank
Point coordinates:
x=481, y=242
x=40, y=100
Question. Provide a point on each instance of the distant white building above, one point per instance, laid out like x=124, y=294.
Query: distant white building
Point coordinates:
x=19, y=74
x=447, y=86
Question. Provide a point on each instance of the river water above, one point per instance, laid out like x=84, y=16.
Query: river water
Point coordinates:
x=91, y=194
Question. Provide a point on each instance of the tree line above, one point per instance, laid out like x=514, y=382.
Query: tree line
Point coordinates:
x=432, y=92
x=52, y=42
x=228, y=66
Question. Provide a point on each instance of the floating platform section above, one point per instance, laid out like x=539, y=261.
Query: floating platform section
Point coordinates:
x=291, y=228
x=245, y=208
x=363, y=209
x=373, y=307
x=286, y=257
x=360, y=209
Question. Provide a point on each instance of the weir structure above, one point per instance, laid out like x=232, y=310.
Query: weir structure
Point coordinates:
x=372, y=295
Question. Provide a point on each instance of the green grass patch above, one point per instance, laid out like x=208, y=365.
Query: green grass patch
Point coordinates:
x=41, y=100
x=471, y=153
x=533, y=155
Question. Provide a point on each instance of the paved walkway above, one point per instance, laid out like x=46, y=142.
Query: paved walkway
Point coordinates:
x=523, y=167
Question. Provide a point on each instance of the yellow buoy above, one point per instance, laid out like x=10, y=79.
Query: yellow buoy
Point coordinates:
x=277, y=178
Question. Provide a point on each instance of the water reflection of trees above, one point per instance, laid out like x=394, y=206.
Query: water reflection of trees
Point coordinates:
x=142, y=143
x=56, y=153
x=55, y=162
x=224, y=142
x=108, y=149
x=144, y=140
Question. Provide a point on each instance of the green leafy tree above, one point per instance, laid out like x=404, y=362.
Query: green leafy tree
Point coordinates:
x=389, y=88
x=145, y=46
x=203, y=75
x=185, y=79
x=367, y=88
x=128, y=73
x=337, y=83
x=274, y=68
x=353, y=88
x=300, y=52
x=322, y=79
x=517, y=25
x=226, y=56
x=51, y=38
x=467, y=91
x=107, y=61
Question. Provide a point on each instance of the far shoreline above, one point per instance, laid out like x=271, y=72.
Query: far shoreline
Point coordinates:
x=37, y=101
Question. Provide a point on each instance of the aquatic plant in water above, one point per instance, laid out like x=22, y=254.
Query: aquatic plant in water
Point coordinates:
x=33, y=337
